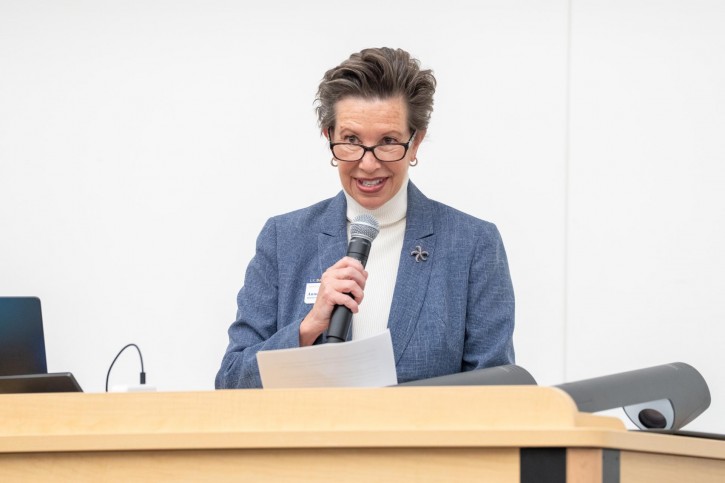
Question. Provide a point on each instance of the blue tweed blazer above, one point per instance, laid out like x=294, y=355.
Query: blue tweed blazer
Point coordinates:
x=453, y=312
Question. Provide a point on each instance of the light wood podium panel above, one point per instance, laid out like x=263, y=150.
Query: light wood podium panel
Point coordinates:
x=493, y=434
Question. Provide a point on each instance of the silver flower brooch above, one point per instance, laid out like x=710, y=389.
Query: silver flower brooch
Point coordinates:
x=419, y=254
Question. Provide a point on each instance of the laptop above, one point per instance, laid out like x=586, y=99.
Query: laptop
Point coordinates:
x=23, y=365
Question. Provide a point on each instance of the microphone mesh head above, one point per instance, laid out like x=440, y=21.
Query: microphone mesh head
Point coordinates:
x=364, y=226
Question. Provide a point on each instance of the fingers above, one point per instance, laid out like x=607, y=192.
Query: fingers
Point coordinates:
x=341, y=284
x=348, y=267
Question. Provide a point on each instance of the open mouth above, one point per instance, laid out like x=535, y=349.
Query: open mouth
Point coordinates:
x=369, y=183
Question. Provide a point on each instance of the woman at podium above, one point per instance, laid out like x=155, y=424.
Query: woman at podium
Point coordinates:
x=436, y=277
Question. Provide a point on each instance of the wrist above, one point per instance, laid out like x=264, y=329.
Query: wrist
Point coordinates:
x=309, y=331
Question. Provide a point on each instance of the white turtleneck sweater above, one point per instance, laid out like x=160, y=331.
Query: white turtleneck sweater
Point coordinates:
x=382, y=265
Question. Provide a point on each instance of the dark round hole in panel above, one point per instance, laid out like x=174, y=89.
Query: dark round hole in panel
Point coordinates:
x=652, y=419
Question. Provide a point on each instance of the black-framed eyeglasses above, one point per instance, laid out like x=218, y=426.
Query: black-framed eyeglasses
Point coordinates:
x=385, y=153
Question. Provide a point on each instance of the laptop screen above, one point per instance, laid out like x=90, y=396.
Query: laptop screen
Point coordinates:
x=22, y=345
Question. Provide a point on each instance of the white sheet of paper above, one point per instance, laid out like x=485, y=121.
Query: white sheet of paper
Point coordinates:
x=361, y=363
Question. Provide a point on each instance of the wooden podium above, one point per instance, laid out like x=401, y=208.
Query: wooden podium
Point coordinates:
x=402, y=434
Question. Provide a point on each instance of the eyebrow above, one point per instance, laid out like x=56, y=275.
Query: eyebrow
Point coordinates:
x=346, y=131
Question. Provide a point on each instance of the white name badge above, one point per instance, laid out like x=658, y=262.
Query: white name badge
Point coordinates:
x=311, y=292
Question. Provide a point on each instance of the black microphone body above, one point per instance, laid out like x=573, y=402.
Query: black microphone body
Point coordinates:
x=363, y=230
x=341, y=319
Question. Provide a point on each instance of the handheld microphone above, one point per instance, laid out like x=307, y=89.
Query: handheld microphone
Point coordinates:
x=363, y=230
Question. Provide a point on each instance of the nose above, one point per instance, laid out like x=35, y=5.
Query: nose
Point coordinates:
x=369, y=162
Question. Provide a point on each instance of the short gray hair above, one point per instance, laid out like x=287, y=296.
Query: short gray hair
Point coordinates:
x=379, y=73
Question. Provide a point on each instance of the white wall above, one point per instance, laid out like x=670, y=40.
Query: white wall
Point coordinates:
x=143, y=144
x=646, y=200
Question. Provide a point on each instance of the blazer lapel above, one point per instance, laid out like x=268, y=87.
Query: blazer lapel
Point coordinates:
x=411, y=285
x=332, y=239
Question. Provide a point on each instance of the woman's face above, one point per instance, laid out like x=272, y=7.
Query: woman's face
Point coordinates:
x=372, y=122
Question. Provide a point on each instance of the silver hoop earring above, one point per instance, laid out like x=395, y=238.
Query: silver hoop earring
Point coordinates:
x=414, y=162
x=333, y=163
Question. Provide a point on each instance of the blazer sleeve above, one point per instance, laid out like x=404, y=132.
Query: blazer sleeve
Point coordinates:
x=257, y=327
x=490, y=305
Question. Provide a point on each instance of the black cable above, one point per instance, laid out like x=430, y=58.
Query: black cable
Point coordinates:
x=142, y=376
